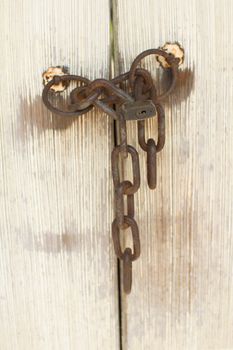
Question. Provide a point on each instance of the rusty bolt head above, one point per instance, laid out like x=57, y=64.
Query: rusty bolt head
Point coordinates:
x=175, y=50
x=52, y=72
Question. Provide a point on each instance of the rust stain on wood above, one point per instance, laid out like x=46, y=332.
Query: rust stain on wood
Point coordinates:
x=184, y=84
x=55, y=243
x=33, y=114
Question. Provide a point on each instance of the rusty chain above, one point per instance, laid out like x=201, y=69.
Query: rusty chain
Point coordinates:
x=136, y=101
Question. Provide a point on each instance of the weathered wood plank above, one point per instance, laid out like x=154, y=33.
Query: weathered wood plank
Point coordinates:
x=182, y=294
x=57, y=268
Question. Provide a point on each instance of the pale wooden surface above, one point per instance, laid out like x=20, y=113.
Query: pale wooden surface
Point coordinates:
x=57, y=267
x=182, y=294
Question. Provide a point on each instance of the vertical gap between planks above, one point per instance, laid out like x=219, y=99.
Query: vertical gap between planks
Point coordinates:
x=114, y=69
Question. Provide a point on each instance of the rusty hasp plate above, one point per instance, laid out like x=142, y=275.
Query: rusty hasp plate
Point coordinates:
x=138, y=110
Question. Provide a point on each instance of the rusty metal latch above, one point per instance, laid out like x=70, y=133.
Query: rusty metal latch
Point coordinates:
x=130, y=96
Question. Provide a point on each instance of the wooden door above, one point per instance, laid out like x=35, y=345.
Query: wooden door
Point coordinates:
x=59, y=285
x=58, y=272
x=182, y=296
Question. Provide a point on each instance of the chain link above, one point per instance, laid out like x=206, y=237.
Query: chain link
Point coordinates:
x=122, y=222
x=139, y=103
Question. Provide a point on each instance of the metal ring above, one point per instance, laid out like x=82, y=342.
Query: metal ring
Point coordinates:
x=135, y=165
x=151, y=164
x=120, y=192
x=161, y=127
x=158, y=52
x=161, y=130
x=127, y=270
x=110, y=86
x=48, y=104
x=85, y=102
x=135, y=234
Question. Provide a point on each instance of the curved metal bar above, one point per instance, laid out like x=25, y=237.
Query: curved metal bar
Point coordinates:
x=56, y=80
x=169, y=58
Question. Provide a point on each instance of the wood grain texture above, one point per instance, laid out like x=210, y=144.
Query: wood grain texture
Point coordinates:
x=57, y=268
x=182, y=294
